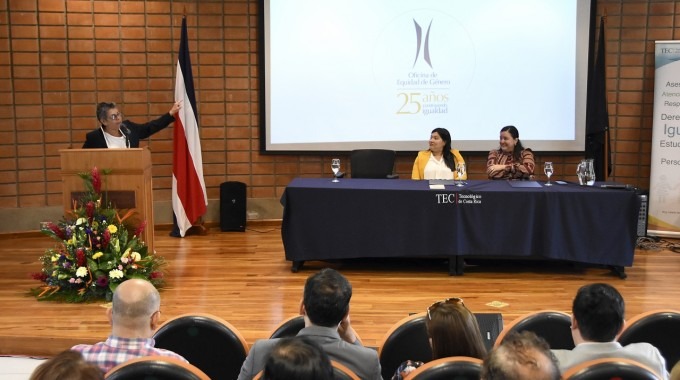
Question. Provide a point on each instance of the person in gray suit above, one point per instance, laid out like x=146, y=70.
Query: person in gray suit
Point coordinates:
x=597, y=320
x=325, y=307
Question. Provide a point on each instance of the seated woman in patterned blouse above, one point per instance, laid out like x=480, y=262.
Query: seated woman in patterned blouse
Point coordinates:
x=511, y=160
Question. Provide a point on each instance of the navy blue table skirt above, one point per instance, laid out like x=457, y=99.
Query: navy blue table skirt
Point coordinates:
x=369, y=218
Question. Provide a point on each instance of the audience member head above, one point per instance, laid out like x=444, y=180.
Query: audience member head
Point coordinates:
x=297, y=358
x=135, y=312
x=68, y=365
x=598, y=313
x=509, y=141
x=521, y=356
x=326, y=298
x=453, y=330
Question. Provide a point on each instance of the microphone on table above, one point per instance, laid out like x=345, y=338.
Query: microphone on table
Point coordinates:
x=126, y=132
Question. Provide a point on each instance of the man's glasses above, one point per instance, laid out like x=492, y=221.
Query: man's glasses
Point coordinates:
x=452, y=300
x=116, y=116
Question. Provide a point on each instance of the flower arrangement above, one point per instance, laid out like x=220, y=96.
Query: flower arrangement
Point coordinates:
x=96, y=252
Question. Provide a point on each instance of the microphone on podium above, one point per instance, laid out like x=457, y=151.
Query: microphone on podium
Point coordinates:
x=126, y=132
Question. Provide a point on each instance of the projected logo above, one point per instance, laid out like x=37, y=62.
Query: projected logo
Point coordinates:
x=430, y=83
x=426, y=46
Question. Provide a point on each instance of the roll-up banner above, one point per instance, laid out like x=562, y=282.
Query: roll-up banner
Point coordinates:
x=664, y=181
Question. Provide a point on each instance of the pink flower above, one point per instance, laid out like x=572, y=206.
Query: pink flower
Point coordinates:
x=96, y=180
x=155, y=275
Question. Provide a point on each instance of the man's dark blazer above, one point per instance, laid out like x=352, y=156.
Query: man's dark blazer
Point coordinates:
x=95, y=139
x=363, y=361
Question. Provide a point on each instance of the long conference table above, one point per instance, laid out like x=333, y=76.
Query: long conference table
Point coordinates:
x=381, y=218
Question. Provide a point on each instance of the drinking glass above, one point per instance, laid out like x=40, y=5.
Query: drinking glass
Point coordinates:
x=460, y=169
x=548, y=170
x=335, y=166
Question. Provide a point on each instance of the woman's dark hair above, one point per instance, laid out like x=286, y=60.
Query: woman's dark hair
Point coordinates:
x=517, y=152
x=454, y=332
x=297, y=358
x=448, y=156
x=67, y=365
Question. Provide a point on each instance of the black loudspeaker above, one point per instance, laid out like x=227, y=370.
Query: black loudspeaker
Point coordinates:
x=233, y=206
x=643, y=198
x=490, y=325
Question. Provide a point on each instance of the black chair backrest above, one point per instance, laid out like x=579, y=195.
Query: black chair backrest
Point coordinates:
x=407, y=341
x=660, y=328
x=553, y=326
x=458, y=368
x=153, y=368
x=289, y=328
x=206, y=342
x=622, y=369
x=372, y=163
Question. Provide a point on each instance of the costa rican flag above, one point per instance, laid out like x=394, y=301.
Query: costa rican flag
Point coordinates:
x=189, y=198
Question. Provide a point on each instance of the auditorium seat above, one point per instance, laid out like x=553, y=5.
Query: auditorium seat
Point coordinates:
x=660, y=328
x=155, y=368
x=206, y=341
x=455, y=367
x=340, y=372
x=553, y=326
x=610, y=368
x=289, y=327
x=406, y=340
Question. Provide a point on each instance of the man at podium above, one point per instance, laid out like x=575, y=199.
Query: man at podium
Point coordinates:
x=114, y=132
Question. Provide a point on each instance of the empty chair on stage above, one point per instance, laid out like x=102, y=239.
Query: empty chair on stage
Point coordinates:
x=372, y=163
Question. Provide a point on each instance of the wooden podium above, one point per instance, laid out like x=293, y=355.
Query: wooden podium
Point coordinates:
x=128, y=186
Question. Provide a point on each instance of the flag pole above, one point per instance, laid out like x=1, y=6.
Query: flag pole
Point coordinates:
x=607, y=169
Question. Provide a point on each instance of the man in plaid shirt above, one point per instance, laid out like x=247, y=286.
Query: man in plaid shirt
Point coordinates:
x=134, y=317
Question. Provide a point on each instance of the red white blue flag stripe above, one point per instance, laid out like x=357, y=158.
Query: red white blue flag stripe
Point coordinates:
x=189, y=198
